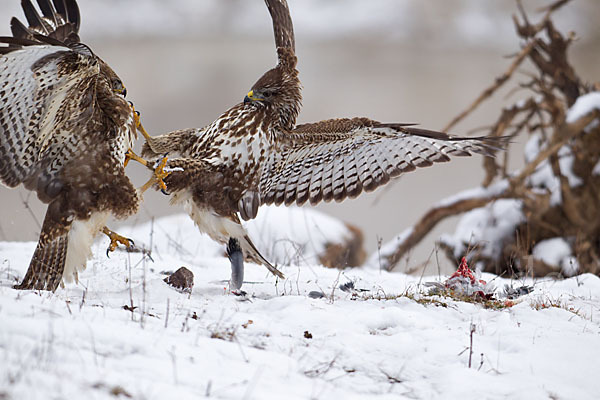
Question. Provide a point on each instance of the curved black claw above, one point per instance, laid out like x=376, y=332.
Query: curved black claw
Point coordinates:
x=107, y=252
x=165, y=192
x=131, y=244
x=130, y=103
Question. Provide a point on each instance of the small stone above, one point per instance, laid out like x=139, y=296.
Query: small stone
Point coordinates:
x=182, y=279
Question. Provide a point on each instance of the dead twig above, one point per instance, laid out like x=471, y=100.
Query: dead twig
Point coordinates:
x=487, y=93
x=431, y=219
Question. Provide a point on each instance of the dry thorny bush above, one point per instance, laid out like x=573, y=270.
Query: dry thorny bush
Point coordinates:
x=549, y=91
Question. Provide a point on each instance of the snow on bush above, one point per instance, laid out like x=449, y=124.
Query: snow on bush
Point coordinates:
x=557, y=252
x=488, y=227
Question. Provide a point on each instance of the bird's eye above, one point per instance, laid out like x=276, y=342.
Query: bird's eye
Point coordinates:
x=268, y=94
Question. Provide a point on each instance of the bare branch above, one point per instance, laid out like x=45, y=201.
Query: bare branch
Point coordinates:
x=495, y=86
x=431, y=219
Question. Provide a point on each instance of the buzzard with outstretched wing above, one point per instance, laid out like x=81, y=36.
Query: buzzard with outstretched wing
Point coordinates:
x=255, y=154
x=65, y=127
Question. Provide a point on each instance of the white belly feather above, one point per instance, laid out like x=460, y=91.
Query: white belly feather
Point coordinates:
x=81, y=237
x=217, y=227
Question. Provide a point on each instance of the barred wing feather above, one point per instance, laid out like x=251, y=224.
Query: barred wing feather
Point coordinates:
x=337, y=159
x=39, y=86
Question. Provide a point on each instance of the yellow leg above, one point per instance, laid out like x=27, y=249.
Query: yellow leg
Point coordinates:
x=145, y=134
x=138, y=123
x=115, y=239
x=130, y=155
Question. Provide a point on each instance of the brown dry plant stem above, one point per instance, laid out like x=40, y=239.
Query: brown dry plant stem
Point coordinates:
x=551, y=88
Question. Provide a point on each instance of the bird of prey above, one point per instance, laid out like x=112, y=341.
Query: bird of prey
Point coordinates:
x=65, y=128
x=255, y=154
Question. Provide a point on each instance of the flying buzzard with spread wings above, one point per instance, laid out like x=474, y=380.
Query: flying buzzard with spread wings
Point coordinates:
x=65, y=127
x=255, y=154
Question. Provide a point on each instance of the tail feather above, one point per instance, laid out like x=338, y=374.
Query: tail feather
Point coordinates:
x=251, y=251
x=47, y=265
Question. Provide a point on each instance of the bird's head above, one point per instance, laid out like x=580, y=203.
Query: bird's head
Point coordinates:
x=115, y=83
x=278, y=90
x=118, y=87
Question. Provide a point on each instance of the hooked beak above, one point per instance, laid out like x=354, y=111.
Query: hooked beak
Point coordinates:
x=251, y=97
x=122, y=91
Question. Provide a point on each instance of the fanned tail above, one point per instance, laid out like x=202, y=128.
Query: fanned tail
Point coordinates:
x=251, y=251
x=47, y=265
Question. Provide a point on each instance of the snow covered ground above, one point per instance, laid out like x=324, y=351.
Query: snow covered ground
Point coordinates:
x=87, y=341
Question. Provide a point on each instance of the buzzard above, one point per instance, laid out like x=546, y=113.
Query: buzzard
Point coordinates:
x=255, y=154
x=65, y=128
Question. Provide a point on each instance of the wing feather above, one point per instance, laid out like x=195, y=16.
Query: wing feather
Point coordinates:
x=35, y=94
x=336, y=159
x=48, y=11
x=36, y=22
x=60, y=20
x=283, y=27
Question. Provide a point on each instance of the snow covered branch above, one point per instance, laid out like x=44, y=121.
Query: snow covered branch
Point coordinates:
x=555, y=198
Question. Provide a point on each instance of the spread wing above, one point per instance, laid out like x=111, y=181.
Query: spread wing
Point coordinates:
x=282, y=24
x=60, y=21
x=47, y=90
x=340, y=158
x=283, y=29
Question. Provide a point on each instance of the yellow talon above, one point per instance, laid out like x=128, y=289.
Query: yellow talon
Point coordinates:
x=115, y=239
x=158, y=176
x=138, y=122
x=160, y=173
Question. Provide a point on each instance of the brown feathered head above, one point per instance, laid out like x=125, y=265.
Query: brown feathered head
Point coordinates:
x=113, y=80
x=278, y=90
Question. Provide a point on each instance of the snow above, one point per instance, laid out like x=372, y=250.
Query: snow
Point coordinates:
x=475, y=193
x=390, y=247
x=557, y=252
x=583, y=105
x=596, y=170
x=81, y=343
x=543, y=177
x=299, y=235
x=387, y=249
x=488, y=227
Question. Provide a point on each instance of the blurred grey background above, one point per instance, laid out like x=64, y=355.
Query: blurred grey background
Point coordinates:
x=186, y=61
